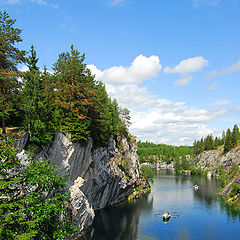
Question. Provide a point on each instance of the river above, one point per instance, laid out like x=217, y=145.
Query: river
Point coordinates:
x=195, y=214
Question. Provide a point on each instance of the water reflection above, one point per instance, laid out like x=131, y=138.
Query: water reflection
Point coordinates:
x=195, y=214
x=231, y=211
x=207, y=191
x=120, y=221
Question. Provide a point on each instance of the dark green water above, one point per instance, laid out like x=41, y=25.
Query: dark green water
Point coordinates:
x=196, y=214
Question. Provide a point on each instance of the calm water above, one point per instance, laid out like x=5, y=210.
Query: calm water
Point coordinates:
x=196, y=214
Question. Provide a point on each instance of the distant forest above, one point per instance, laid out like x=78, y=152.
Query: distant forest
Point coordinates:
x=151, y=152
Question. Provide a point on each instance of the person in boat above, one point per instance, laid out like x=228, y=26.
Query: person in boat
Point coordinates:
x=196, y=186
x=166, y=216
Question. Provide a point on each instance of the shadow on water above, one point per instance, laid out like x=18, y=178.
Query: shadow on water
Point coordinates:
x=231, y=211
x=120, y=221
x=207, y=192
x=142, y=218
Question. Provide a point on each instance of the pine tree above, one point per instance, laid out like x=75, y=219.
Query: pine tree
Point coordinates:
x=74, y=94
x=35, y=108
x=10, y=56
x=115, y=118
x=235, y=136
x=228, y=143
x=100, y=116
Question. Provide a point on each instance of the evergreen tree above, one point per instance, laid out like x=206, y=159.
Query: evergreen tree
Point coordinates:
x=228, y=142
x=75, y=90
x=36, y=120
x=235, y=136
x=115, y=118
x=215, y=144
x=125, y=121
x=100, y=116
x=10, y=56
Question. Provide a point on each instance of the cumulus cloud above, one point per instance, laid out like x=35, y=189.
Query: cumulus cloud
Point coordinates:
x=186, y=67
x=189, y=65
x=161, y=127
x=142, y=68
x=233, y=68
x=153, y=118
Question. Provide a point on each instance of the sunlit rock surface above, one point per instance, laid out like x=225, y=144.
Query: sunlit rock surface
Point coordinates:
x=98, y=177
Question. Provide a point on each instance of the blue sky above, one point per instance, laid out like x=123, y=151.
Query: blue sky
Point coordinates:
x=174, y=64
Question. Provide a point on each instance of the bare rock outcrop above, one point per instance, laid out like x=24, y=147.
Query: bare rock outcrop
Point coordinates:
x=98, y=177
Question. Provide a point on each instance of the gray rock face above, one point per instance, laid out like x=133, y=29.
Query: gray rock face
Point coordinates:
x=211, y=160
x=97, y=177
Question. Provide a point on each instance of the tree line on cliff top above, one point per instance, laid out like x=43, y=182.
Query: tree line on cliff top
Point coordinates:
x=229, y=140
x=69, y=99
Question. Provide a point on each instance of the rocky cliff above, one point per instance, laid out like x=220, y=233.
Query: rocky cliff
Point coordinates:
x=215, y=161
x=98, y=177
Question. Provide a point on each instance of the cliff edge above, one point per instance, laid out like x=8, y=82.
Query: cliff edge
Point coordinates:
x=98, y=177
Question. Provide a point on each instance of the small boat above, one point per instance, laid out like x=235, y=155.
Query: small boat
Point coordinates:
x=166, y=216
x=196, y=187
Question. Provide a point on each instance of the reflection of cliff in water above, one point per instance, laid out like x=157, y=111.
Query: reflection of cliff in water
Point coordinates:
x=207, y=191
x=231, y=210
x=120, y=221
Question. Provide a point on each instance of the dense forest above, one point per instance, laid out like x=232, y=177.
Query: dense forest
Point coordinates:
x=32, y=200
x=153, y=153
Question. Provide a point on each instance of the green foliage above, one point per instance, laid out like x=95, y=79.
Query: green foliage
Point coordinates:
x=32, y=149
x=234, y=190
x=10, y=56
x=235, y=136
x=36, y=109
x=126, y=164
x=150, y=152
x=228, y=141
x=31, y=199
x=147, y=172
x=196, y=171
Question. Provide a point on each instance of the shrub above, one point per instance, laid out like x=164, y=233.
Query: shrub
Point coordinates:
x=147, y=172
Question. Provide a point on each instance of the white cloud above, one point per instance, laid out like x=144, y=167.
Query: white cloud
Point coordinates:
x=233, y=68
x=185, y=67
x=222, y=102
x=189, y=65
x=184, y=80
x=162, y=128
x=153, y=118
x=39, y=2
x=142, y=68
x=212, y=86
